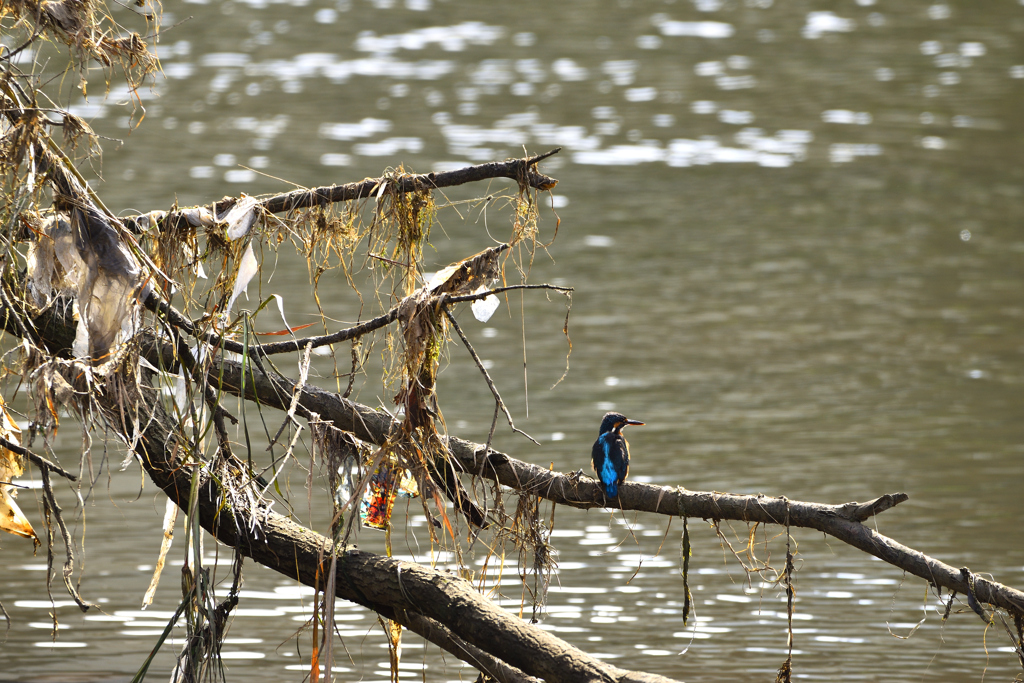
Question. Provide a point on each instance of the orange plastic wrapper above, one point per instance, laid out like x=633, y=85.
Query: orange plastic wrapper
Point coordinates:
x=379, y=499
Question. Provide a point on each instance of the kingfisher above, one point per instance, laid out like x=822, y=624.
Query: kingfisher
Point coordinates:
x=611, y=453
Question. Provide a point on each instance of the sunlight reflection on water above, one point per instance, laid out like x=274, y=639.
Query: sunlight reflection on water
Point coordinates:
x=818, y=307
x=589, y=143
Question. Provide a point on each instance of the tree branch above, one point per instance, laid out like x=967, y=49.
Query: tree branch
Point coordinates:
x=383, y=584
x=441, y=636
x=156, y=304
x=843, y=522
x=521, y=170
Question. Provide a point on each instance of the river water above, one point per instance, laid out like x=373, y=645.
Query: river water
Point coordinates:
x=796, y=236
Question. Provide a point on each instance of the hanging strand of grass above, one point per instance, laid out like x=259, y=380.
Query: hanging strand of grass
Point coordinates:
x=785, y=674
x=687, y=599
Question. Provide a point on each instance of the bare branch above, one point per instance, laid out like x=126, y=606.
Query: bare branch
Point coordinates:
x=841, y=521
x=858, y=512
x=521, y=170
x=156, y=304
x=517, y=169
x=51, y=506
x=508, y=288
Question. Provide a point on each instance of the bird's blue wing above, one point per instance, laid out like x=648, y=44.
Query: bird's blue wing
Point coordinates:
x=604, y=466
x=598, y=456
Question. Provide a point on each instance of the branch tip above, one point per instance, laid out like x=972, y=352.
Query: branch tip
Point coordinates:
x=858, y=512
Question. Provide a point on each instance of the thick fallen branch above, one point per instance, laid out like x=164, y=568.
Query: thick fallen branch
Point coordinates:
x=404, y=591
x=436, y=633
x=843, y=522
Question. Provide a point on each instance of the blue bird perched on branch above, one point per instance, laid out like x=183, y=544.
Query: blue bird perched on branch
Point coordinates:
x=611, y=453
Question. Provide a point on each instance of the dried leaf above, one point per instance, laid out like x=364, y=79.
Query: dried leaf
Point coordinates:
x=394, y=647
x=12, y=520
x=10, y=462
x=469, y=274
x=170, y=515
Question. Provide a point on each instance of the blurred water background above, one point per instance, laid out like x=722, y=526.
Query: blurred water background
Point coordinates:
x=795, y=233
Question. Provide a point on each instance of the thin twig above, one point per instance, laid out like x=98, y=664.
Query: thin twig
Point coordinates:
x=388, y=260
x=13, y=53
x=499, y=290
x=37, y=460
x=156, y=304
x=487, y=377
x=7, y=617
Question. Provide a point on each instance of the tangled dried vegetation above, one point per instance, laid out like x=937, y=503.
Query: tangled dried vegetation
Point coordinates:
x=148, y=302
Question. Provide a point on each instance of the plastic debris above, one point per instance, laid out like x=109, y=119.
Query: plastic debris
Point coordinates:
x=379, y=498
x=241, y=217
x=484, y=308
x=247, y=270
x=348, y=476
x=83, y=257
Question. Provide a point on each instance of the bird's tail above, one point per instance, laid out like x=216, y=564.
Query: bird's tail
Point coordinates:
x=612, y=490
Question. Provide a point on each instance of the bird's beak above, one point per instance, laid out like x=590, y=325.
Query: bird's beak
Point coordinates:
x=634, y=422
